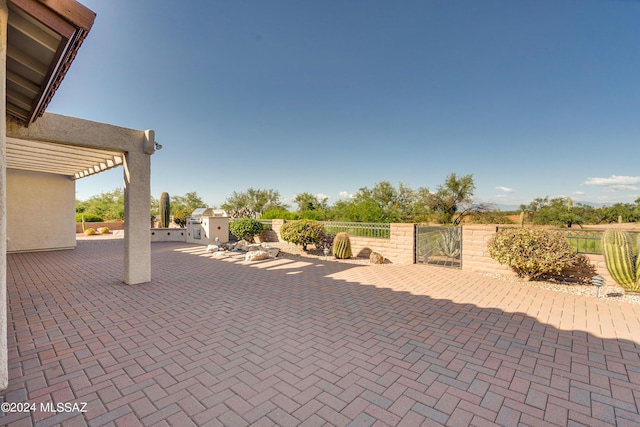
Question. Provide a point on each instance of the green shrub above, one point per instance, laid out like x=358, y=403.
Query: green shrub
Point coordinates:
x=302, y=232
x=89, y=217
x=246, y=228
x=315, y=215
x=279, y=214
x=104, y=230
x=90, y=231
x=533, y=252
x=181, y=216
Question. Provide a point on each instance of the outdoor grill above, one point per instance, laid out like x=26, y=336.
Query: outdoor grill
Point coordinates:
x=205, y=224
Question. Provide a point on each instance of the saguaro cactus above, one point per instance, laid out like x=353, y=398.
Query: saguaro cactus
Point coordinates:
x=165, y=210
x=623, y=265
x=342, y=246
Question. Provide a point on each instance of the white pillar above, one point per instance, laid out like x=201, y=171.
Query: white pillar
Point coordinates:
x=4, y=365
x=137, y=211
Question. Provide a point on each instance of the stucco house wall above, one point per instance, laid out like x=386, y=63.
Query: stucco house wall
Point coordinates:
x=40, y=211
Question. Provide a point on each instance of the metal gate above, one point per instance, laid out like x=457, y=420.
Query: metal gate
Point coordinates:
x=439, y=245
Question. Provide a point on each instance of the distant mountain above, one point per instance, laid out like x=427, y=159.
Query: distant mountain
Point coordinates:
x=505, y=208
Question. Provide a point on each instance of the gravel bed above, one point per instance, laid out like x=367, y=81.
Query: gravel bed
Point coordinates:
x=608, y=292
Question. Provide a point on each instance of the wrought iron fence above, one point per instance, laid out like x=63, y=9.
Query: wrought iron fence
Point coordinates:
x=359, y=229
x=587, y=241
x=584, y=241
x=266, y=223
x=439, y=245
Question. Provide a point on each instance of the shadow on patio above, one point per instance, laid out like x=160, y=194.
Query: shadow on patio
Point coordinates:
x=282, y=342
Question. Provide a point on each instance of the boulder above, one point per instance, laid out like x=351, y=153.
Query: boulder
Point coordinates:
x=273, y=252
x=241, y=245
x=213, y=248
x=256, y=255
x=376, y=258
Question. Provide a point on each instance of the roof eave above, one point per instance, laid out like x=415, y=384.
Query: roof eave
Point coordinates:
x=72, y=21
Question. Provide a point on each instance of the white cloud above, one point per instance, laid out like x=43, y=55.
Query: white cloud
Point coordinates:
x=345, y=194
x=505, y=189
x=322, y=196
x=616, y=182
x=579, y=193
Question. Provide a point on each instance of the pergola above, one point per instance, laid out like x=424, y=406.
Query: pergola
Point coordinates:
x=38, y=41
x=42, y=41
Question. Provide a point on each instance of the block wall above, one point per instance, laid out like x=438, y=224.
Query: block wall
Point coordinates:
x=400, y=248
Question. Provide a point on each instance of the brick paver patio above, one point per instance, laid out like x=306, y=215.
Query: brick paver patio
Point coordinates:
x=306, y=342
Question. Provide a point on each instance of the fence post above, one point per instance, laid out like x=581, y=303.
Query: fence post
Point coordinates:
x=276, y=225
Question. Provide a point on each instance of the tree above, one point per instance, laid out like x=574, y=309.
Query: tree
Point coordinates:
x=382, y=203
x=310, y=202
x=256, y=200
x=189, y=202
x=453, y=200
x=558, y=211
x=109, y=205
x=180, y=217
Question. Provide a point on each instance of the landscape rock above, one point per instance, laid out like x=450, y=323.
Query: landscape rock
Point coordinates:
x=241, y=245
x=376, y=258
x=256, y=255
x=273, y=252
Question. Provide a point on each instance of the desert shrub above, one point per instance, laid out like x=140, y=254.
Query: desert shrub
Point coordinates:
x=90, y=231
x=246, y=228
x=302, y=232
x=181, y=216
x=89, y=217
x=490, y=217
x=533, y=252
x=279, y=214
x=315, y=215
x=326, y=241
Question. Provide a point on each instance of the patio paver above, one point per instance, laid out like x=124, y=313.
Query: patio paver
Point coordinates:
x=306, y=342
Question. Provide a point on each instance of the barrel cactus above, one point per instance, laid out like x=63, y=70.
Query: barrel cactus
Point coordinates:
x=621, y=262
x=165, y=210
x=342, y=246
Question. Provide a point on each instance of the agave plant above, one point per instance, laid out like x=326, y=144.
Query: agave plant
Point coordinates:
x=449, y=243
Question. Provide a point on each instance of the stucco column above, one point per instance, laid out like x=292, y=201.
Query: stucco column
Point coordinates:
x=137, y=211
x=4, y=365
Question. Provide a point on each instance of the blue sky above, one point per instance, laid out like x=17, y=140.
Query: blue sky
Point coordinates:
x=533, y=97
